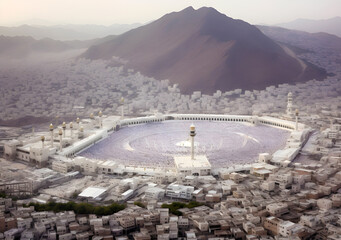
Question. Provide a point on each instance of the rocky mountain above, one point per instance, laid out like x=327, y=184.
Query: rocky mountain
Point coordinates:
x=207, y=51
x=331, y=25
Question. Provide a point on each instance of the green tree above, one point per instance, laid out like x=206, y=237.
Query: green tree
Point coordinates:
x=75, y=194
x=78, y=208
x=175, y=206
x=138, y=203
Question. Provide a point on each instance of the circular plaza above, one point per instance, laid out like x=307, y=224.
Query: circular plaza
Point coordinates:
x=155, y=144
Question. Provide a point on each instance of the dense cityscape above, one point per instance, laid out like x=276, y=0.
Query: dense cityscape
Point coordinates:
x=94, y=149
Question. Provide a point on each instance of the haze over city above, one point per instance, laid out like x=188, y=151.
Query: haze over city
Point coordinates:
x=107, y=12
x=165, y=120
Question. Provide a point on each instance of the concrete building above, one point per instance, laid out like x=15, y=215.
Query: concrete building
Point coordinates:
x=17, y=188
x=62, y=166
x=277, y=209
x=93, y=193
x=288, y=229
x=154, y=193
x=7, y=223
x=324, y=204
x=272, y=224
x=179, y=191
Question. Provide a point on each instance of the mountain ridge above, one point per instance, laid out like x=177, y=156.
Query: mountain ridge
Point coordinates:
x=69, y=32
x=204, y=50
x=330, y=25
x=22, y=46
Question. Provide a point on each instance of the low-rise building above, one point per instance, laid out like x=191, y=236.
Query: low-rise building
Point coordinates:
x=324, y=204
x=62, y=166
x=154, y=193
x=277, y=209
x=7, y=223
x=272, y=224
x=287, y=229
x=179, y=191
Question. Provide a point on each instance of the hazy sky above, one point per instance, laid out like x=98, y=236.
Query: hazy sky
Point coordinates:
x=106, y=12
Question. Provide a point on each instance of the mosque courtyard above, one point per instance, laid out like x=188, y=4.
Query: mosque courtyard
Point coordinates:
x=155, y=144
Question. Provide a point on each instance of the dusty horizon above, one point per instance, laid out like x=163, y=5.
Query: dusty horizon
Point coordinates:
x=105, y=12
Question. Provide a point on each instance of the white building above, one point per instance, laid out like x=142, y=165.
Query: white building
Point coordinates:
x=287, y=228
x=309, y=221
x=200, y=166
x=264, y=157
x=93, y=193
x=277, y=209
x=86, y=165
x=29, y=151
x=179, y=191
x=154, y=193
x=284, y=156
x=10, y=148
x=62, y=166
x=283, y=179
x=324, y=204
x=127, y=194
x=106, y=167
x=268, y=186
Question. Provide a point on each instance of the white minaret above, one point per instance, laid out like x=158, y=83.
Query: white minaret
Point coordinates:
x=51, y=131
x=100, y=114
x=42, y=138
x=81, y=132
x=71, y=128
x=192, y=134
x=122, y=107
x=60, y=139
x=289, y=105
x=77, y=121
x=296, y=115
x=64, y=128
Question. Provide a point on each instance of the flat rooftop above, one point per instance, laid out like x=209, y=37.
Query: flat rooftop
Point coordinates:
x=199, y=161
x=92, y=192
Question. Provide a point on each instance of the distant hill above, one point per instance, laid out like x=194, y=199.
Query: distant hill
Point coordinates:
x=100, y=31
x=331, y=26
x=67, y=32
x=18, y=47
x=302, y=39
x=206, y=50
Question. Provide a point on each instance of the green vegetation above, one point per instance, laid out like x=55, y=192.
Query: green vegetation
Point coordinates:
x=137, y=203
x=175, y=206
x=75, y=194
x=78, y=208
